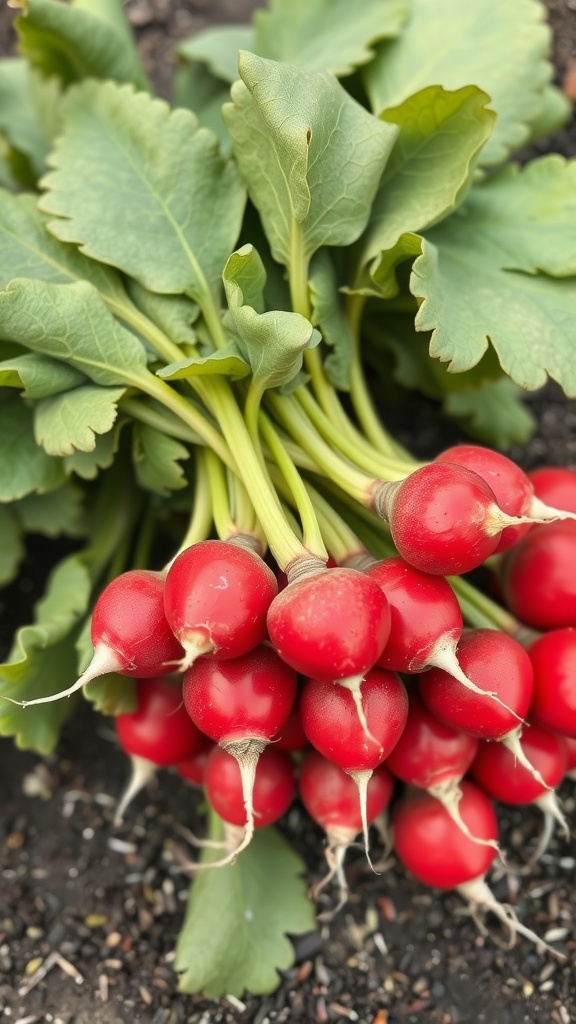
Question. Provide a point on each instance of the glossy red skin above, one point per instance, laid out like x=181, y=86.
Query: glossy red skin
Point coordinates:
x=247, y=697
x=129, y=620
x=553, y=658
x=509, y=483
x=274, y=787
x=160, y=729
x=555, y=486
x=423, y=610
x=493, y=661
x=330, y=626
x=194, y=768
x=438, y=519
x=429, y=752
x=538, y=577
x=569, y=744
x=331, y=722
x=220, y=593
x=292, y=736
x=331, y=796
x=434, y=848
x=503, y=777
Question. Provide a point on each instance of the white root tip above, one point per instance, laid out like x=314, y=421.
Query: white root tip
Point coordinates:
x=335, y=854
x=512, y=741
x=542, y=513
x=497, y=520
x=143, y=771
x=354, y=685
x=104, y=660
x=449, y=794
x=478, y=894
x=548, y=804
x=362, y=778
x=193, y=648
x=444, y=657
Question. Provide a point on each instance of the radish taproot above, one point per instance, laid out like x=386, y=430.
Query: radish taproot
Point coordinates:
x=538, y=577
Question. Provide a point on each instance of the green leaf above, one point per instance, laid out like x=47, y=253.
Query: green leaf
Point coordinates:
x=311, y=155
x=28, y=110
x=272, y=343
x=126, y=158
x=251, y=905
x=28, y=250
x=473, y=294
x=24, y=466
x=59, y=513
x=325, y=35
x=12, y=549
x=70, y=322
x=226, y=362
x=500, y=47
x=431, y=165
x=38, y=376
x=328, y=316
x=197, y=89
x=74, y=44
x=382, y=280
x=157, y=460
x=218, y=47
x=494, y=413
x=43, y=660
x=173, y=314
x=69, y=422
x=87, y=465
x=553, y=112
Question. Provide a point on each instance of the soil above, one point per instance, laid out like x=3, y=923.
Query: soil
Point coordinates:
x=101, y=908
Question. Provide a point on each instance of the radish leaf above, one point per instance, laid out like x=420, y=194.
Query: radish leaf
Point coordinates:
x=38, y=376
x=24, y=466
x=12, y=549
x=69, y=422
x=157, y=460
x=251, y=905
x=58, y=513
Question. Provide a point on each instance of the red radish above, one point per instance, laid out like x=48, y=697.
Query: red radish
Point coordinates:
x=129, y=631
x=157, y=734
x=513, y=488
x=444, y=519
x=430, y=844
x=570, y=753
x=538, y=577
x=193, y=768
x=274, y=787
x=556, y=486
x=331, y=723
x=425, y=620
x=291, y=736
x=500, y=774
x=216, y=597
x=241, y=704
x=434, y=757
x=330, y=797
x=490, y=659
x=553, y=658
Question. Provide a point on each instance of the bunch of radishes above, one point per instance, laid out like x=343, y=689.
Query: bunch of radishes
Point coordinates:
x=257, y=690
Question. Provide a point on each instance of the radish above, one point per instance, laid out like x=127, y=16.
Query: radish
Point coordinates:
x=331, y=723
x=129, y=631
x=434, y=757
x=444, y=519
x=490, y=658
x=538, y=577
x=438, y=853
x=511, y=485
x=216, y=597
x=425, y=620
x=569, y=744
x=330, y=797
x=192, y=769
x=274, y=788
x=502, y=776
x=553, y=658
x=291, y=736
x=555, y=485
x=241, y=704
x=158, y=733
x=332, y=626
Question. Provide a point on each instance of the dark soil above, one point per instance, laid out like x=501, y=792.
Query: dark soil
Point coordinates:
x=101, y=908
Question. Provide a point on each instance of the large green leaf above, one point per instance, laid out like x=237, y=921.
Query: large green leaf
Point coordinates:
x=27, y=110
x=494, y=413
x=125, y=158
x=311, y=155
x=431, y=165
x=196, y=88
x=250, y=905
x=87, y=465
x=226, y=362
x=157, y=459
x=490, y=290
x=38, y=376
x=500, y=47
x=70, y=422
x=11, y=549
x=25, y=468
x=218, y=48
x=73, y=44
x=59, y=513
x=43, y=660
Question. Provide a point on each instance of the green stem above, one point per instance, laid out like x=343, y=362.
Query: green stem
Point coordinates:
x=201, y=518
x=312, y=535
x=114, y=513
x=298, y=273
x=135, y=318
x=221, y=514
x=145, y=539
x=188, y=413
x=487, y=609
x=156, y=416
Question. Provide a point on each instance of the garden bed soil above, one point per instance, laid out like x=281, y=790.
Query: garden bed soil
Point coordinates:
x=99, y=909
